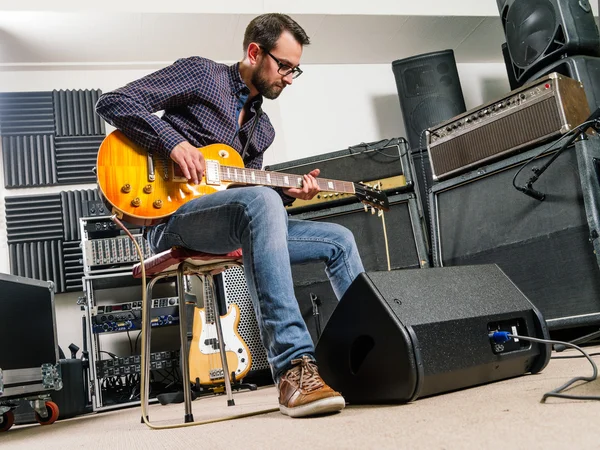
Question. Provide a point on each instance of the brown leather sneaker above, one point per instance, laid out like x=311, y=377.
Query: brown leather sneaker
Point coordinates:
x=302, y=392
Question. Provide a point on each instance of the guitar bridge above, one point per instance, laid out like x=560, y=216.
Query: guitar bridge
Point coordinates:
x=216, y=374
x=213, y=173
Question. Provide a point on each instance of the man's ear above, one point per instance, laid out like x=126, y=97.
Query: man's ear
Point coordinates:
x=253, y=53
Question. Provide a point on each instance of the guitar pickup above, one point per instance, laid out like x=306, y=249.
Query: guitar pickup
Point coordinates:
x=213, y=172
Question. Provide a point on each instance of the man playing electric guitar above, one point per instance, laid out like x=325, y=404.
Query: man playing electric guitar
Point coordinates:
x=205, y=102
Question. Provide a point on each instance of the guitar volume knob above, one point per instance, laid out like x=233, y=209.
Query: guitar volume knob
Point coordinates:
x=126, y=189
x=136, y=202
x=157, y=204
x=148, y=189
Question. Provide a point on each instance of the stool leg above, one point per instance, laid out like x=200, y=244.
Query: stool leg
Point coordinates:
x=185, y=364
x=226, y=374
x=145, y=349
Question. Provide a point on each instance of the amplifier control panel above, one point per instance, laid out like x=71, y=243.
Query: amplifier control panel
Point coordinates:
x=478, y=117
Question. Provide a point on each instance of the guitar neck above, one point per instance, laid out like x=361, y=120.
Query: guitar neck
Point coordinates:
x=278, y=179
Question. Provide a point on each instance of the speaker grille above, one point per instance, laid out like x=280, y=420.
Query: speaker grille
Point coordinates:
x=543, y=247
x=236, y=292
x=429, y=91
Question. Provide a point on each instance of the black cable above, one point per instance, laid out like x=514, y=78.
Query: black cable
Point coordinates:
x=130, y=344
x=549, y=147
x=575, y=356
x=110, y=353
x=136, y=341
x=375, y=146
x=558, y=391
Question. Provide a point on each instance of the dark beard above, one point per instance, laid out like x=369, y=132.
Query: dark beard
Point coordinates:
x=270, y=91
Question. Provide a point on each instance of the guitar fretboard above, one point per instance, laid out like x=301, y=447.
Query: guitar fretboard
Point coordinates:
x=277, y=179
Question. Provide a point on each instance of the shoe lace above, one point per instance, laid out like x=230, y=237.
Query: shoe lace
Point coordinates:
x=306, y=374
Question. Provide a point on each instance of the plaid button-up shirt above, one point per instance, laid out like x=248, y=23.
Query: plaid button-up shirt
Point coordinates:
x=200, y=99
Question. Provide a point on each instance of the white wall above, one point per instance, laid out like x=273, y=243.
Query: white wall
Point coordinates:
x=329, y=108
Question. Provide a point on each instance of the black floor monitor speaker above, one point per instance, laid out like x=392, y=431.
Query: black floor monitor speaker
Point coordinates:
x=429, y=91
x=549, y=249
x=539, y=32
x=406, y=247
x=401, y=335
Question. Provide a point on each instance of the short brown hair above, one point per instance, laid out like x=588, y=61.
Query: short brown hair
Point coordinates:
x=266, y=29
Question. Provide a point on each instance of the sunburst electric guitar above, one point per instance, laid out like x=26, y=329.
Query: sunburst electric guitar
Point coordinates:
x=205, y=357
x=145, y=189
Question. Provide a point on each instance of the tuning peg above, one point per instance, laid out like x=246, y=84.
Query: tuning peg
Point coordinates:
x=373, y=210
x=366, y=207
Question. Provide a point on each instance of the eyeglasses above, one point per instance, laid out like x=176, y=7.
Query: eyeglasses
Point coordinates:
x=284, y=69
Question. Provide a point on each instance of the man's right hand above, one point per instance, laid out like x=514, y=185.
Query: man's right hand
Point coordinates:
x=191, y=161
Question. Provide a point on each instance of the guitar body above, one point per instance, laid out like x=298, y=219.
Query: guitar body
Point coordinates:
x=145, y=189
x=123, y=179
x=205, y=357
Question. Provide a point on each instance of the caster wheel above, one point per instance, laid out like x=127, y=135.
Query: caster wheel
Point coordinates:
x=52, y=409
x=9, y=421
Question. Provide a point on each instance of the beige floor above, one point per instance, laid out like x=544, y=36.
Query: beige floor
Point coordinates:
x=502, y=415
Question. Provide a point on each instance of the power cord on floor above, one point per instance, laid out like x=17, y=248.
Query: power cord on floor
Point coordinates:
x=500, y=337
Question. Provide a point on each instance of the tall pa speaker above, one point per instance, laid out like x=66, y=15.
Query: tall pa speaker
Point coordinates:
x=400, y=335
x=539, y=32
x=429, y=91
x=550, y=249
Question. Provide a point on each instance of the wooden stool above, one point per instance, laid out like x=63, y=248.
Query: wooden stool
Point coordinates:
x=178, y=262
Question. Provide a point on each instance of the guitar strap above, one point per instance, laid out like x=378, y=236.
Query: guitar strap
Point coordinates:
x=256, y=119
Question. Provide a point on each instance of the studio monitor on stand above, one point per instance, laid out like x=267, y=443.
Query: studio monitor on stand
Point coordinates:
x=400, y=335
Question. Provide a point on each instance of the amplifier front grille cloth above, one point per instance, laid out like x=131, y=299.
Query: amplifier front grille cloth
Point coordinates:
x=481, y=144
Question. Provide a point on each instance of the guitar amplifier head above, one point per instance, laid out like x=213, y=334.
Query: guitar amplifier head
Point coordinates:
x=530, y=115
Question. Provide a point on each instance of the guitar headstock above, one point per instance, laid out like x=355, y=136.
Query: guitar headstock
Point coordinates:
x=372, y=196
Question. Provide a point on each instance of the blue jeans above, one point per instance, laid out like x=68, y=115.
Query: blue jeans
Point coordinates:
x=255, y=219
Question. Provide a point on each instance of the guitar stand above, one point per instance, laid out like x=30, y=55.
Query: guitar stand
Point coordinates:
x=203, y=390
x=199, y=390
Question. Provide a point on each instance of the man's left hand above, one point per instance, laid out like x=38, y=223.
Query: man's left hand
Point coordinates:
x=309, y=188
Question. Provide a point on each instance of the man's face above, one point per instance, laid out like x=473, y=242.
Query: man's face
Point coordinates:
x=266, y=78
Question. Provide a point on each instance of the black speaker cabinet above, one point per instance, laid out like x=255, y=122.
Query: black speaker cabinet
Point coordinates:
x=585, y=69
x=539, y=32
x=549, y=249
x=423, y=183
x=406, y=247
x=386, y=163
x=429, y=91
x=400, y=335
x=512, y=81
